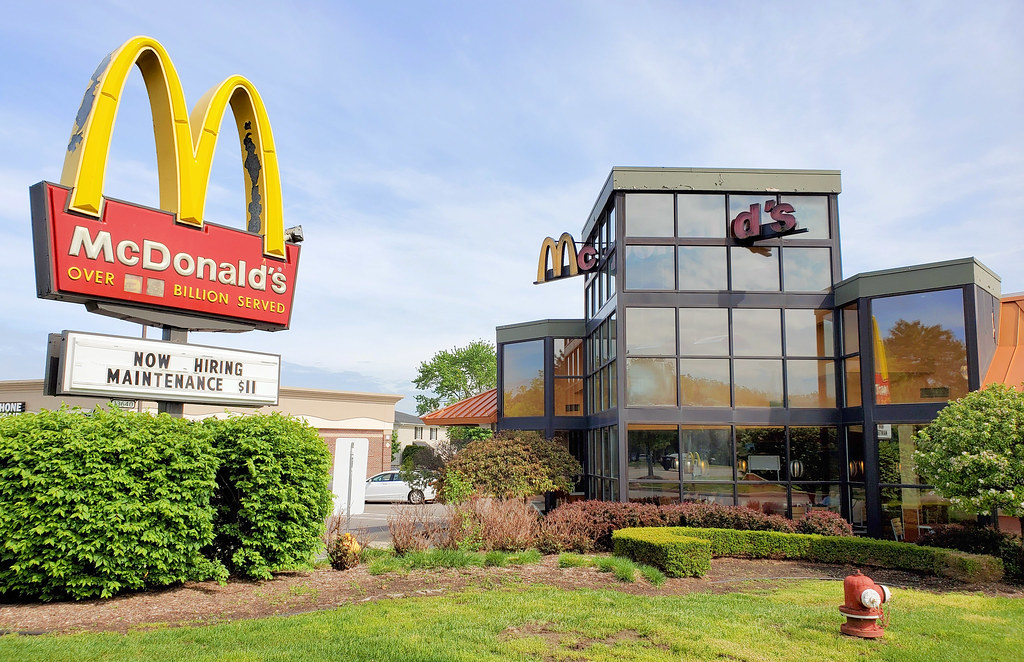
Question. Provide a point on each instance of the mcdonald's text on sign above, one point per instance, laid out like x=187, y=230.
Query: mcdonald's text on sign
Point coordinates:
x=565, y=260
x=91, y=249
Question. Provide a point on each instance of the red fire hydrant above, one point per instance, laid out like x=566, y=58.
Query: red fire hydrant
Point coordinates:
x=863, y=607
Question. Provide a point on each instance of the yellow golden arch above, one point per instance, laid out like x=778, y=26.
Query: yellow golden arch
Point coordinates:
x=185, y=142
x=560, y=252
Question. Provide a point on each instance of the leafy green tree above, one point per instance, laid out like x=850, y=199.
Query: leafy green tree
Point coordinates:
x=973, y=452
x=456, y=374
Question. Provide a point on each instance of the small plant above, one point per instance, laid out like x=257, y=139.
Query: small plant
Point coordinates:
x=344, y=550
x=653, y=575
x=413, y=529
x=575, y=561
x=496, y=559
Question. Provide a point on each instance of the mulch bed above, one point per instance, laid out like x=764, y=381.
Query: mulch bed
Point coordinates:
x=299, y=592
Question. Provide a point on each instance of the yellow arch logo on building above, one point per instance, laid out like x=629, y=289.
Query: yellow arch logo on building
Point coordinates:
x=185, y=142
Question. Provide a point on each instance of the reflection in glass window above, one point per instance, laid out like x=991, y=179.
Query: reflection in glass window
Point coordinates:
x=851, y=381
x=896, y=448
x=811, y=383
x=653, y=453
x=701, y=215
x=758, y=382
x=811, y=212
x=851, y=330
x=756, y=332
x=761, y=454
x=648, y=491
x=649, y=215
x=768, y=498
x=806, y=269
x=706, y=453
x=650, y=382
x=921, y=348
x=704, y=382
x=709, y=492
x=651, y=331
x=808, y=332
x=702, y=268
x=810, y=497
x=813, y=454
x=755, y=269
x=650, y=268
x=741, y=203
x=523, y=379
x=568, y=357
x=703, y=331
x=568, y=396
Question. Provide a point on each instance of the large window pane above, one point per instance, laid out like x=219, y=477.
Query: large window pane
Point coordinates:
x=813, y=454
x=523, y=379
x=756, y=332
x=703, y=331
x=702, y=268
x=568, y=396
x=921, y=349
x=701, y=215
x=811, y=383
x=806, y=269
x=704, y=382
x=650, y=268
x=758, y=382
x=896, y=454
x=568, y=357
x=651, y=331
x=811, y=212
x=761, y=453
x=706, y=453
x=653, y=453
x=755, y=269
x=649, y=215
x=650, y=491
x=650, y=382
x=809, y=332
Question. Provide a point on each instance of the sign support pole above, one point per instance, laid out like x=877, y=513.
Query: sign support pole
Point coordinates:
x=180, y=336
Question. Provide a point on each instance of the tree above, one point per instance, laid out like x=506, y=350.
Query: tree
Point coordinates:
x=456, y=374
x=973, y=452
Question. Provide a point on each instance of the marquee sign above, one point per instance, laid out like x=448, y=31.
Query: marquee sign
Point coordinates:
x=89, y=248
x=116, y=367
x=565, y=260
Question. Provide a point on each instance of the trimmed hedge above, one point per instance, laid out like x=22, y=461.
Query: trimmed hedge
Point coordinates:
x=857, y=551
x=94, y=505
x=665, y=549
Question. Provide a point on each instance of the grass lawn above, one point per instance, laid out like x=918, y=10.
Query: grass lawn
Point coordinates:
x=797, y=622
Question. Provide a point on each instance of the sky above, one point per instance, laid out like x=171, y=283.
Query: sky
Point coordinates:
x=427, y=148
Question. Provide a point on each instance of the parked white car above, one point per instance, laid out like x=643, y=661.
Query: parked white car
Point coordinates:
x=389, y=486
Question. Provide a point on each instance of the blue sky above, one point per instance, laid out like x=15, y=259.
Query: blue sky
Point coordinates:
x=428, y=147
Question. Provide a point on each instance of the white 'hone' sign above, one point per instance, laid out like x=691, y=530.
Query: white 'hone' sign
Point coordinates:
x=114, y=366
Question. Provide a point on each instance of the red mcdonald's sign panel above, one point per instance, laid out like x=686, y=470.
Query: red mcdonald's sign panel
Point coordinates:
x=141, y=256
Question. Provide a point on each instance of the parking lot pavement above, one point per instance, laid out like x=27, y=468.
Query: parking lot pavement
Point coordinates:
x=374, y=520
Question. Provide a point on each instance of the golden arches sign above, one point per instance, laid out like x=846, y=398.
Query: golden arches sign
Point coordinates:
x=185, y=142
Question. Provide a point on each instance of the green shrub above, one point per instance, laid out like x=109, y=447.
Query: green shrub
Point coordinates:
x=94, y=504
x=272, y=497
x=675, y=553
x=857, y=551
x=515, y=463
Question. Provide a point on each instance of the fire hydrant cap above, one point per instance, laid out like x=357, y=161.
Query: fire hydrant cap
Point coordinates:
x=870, y=598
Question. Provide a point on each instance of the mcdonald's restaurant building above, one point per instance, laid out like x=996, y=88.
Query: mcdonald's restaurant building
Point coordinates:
x=723, y=356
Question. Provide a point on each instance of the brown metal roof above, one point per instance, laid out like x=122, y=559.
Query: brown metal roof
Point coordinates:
x=1007, y=365
x=479, y=410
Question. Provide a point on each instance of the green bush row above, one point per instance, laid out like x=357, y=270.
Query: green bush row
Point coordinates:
x=832, y=549
x=97, y=503
x=675, y=555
